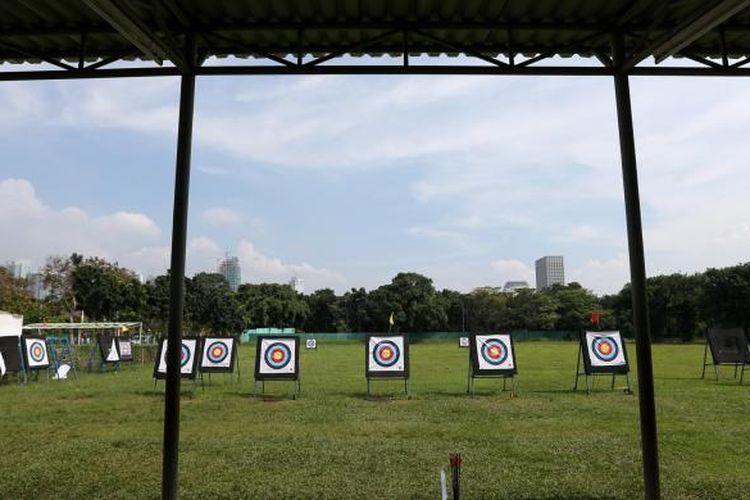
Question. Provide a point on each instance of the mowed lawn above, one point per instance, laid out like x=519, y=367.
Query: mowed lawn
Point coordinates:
x=100, y=436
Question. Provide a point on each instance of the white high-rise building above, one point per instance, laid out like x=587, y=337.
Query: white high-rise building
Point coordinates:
x=18, y=269
x=230, y=269
x=550, y=270
x=297, y=284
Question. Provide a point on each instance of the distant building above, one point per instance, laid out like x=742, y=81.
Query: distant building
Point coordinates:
x=297, y=284
x=511, y=286
x=18, y=269
x=36, y=286
x=230, y=269
x=550, y=271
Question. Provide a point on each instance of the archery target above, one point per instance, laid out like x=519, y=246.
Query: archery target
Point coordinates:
x=463, y=342
x=36, y=353
x=311, y=344
x=3, y=371
x=605, y=349
x=386, y=354
x=494, y=352
x=218, y=354
x=125, y=348
x=187, y=357
x=277, y=356
x=113, y=356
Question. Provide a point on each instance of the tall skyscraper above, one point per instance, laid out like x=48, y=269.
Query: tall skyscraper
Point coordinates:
x=18, y=269
x=230, y=269
x=549, y=271
x=297, y=284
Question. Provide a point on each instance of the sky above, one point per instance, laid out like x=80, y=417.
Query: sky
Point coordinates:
x=345, y=181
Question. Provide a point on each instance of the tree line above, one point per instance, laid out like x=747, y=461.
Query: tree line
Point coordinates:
x=680, y=305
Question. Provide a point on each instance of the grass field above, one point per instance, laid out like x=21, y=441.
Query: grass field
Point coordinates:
x=100, y=436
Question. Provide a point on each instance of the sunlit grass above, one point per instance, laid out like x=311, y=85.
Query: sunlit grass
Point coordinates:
x=100, y=436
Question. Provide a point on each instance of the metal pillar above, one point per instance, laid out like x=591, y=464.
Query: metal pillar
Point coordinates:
x=177, y=288
x=649, y=443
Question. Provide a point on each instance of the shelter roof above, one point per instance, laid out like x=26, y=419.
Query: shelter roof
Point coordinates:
x=71, y=33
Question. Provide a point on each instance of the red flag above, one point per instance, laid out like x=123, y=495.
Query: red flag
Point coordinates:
x=596, y=317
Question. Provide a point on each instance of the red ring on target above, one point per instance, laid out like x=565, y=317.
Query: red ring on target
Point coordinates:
x=386, y=353
x=217, y=352
x=36, y=351
x=494, y=351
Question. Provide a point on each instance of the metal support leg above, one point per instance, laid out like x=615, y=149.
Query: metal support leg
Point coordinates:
x=646, y=398
x=705, y=357
x=177, y=289
x=578, y=367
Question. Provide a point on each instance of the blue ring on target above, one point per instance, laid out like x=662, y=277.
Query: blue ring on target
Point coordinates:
x=379, y=353
x=600, y=343
x=184, y=355
x=217, y=352
x=286, y=355
x=36, y=351
x=487, y=354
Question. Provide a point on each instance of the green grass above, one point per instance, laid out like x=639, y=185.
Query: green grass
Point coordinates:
x=100, y=436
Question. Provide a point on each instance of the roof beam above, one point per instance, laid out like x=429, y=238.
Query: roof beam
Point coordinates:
x=694, y=27
x=122, y=18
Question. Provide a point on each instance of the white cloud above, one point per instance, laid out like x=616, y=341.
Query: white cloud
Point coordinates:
x=513, y=270
x=31, y=230
x=602, y=276
x=258, y=267
x=221, y=216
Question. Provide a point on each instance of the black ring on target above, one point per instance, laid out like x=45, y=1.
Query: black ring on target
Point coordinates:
x=217, y=352
x=36, y=351
x=381, y=356
x=488, y=353
x=278, y=348
x=184, y=355
x=604, y=348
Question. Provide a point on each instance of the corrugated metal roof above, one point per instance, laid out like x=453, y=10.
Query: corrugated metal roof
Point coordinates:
x=63, y=30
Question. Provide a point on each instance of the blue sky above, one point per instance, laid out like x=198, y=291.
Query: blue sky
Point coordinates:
x=345, y=181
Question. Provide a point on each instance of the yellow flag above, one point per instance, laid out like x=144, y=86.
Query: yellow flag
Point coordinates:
x=390, y=320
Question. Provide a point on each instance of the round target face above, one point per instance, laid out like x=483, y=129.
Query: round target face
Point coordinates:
x=604, y=348
x=36, y=351
x=494, y=351
x=218, y=352
x=184, y=355
x=278, y=355
x=386, y=353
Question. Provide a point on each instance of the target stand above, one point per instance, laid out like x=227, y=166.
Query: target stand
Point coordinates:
x=219, y=355
x=387, y=358
x=62, y=353
x=602, y=354
x=13, y=359
x=35, y=356
x=729, y=346
x=189, y=367
x=492, y=356
x=106, y=350
x=277, y=359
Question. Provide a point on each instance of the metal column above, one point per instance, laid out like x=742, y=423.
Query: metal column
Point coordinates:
x=177, y=288
x=649, y=443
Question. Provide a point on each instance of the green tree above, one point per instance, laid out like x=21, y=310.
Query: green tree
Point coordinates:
x=106, y=291
x=532, y=310
x=210, y=306
x=272, y=305
x=487, y=310
x=574, y=305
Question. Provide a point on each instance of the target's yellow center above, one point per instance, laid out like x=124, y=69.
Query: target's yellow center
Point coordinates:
x=605, y=348
x=387, y=353
x=277, y=356
x=494, y=352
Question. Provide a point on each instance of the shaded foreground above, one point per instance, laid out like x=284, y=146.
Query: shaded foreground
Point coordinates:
x=100, y=437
